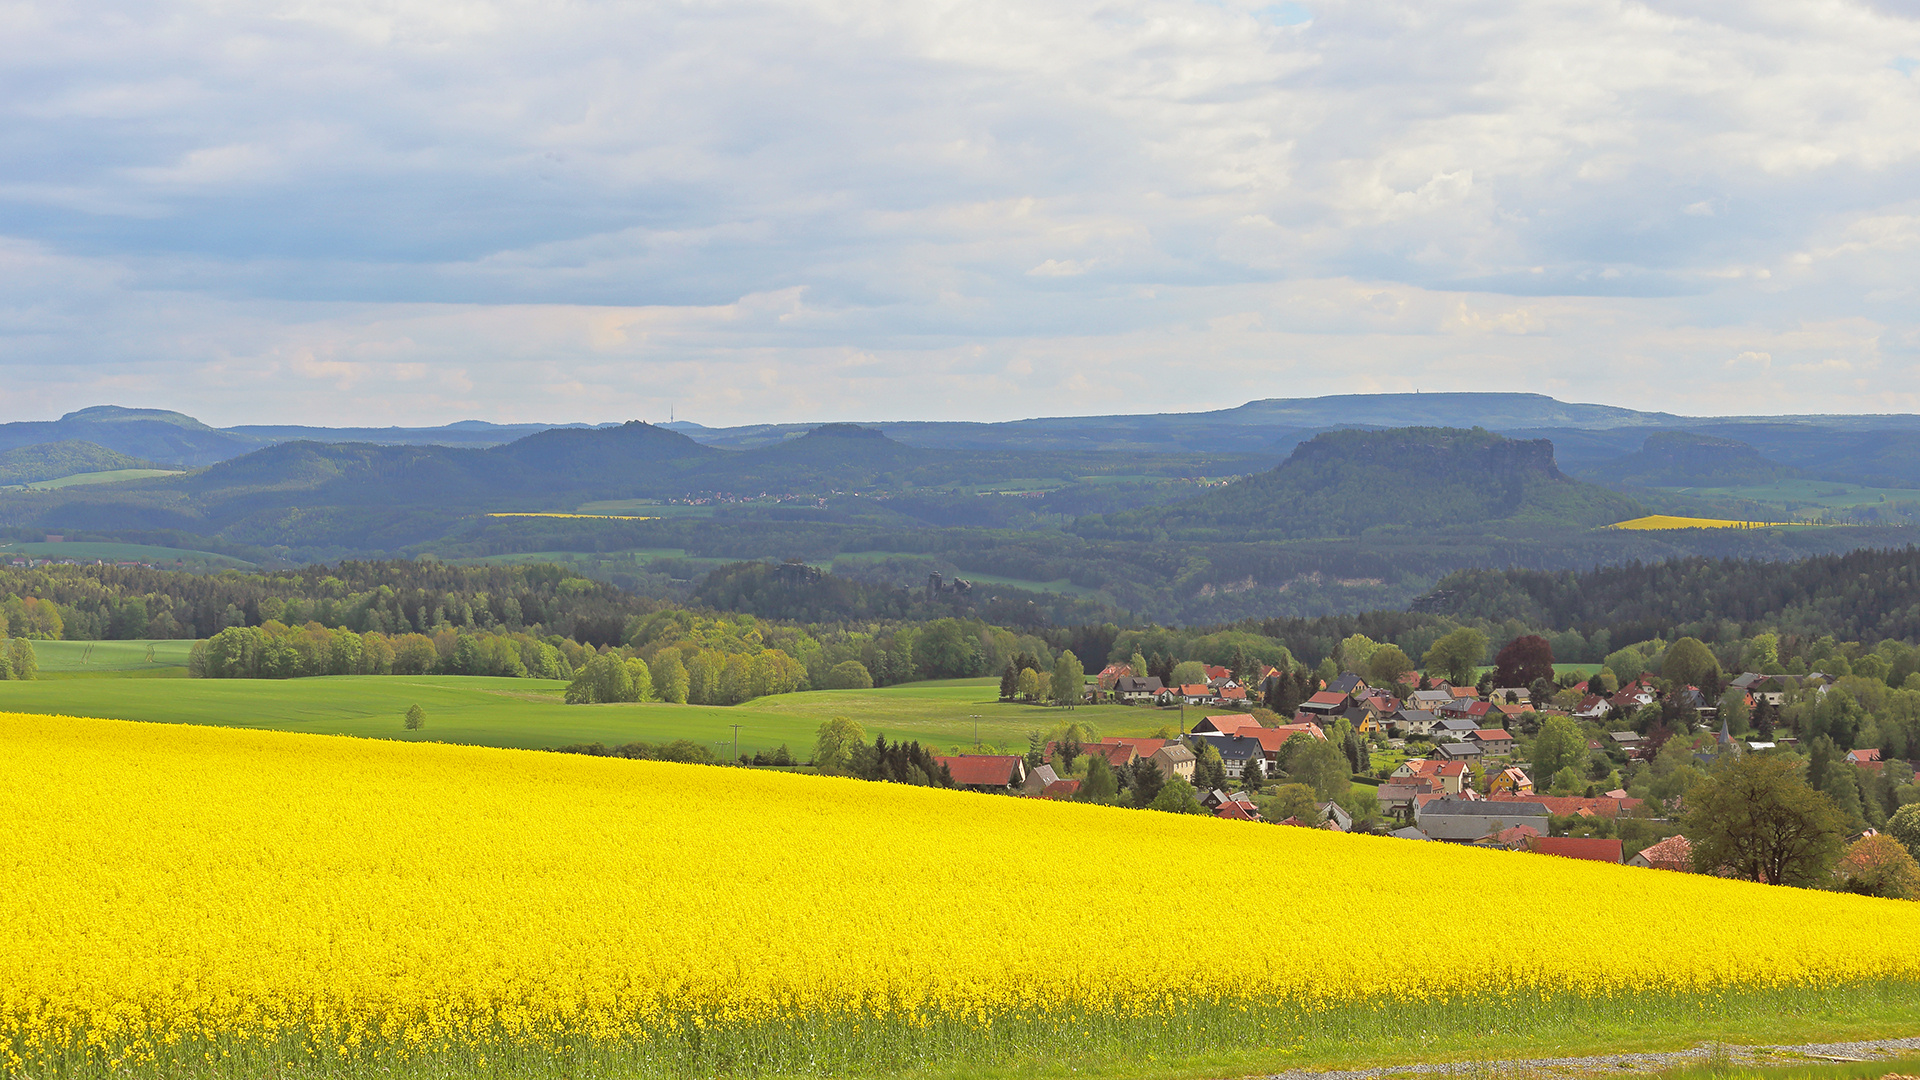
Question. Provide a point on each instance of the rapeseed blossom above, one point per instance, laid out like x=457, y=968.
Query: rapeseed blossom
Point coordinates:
x=168, y=883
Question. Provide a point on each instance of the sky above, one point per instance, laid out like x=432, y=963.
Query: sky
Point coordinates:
x=378, y=212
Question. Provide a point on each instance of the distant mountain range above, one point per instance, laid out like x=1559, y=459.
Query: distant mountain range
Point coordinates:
x=1590, y=441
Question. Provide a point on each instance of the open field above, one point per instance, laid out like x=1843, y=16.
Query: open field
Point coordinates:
x=440, y=911
x=166, y=558
x=112, y=657
x=108, y=477
x=1670, y=521
x=528, y=713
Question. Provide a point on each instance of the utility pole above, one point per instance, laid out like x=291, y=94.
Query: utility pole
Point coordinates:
x=976, y=733
x=736, y=742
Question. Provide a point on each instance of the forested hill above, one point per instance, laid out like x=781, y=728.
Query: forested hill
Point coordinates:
x=50, y=461
x=1868, y=595
x=1344, y=483
x=1689, y=459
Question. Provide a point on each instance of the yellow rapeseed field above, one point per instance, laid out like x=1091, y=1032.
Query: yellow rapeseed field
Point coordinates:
x=165, y=884
x=1670, y=521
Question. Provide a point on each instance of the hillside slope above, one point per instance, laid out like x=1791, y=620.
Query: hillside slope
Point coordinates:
x=1688, y=459
x=50, y=461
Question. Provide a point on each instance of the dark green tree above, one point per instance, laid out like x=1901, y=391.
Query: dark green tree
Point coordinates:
x=1756, y=818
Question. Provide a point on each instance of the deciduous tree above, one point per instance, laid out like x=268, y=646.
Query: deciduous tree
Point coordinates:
x=1756, y=818
x=1455, y=655
x=1524, y=661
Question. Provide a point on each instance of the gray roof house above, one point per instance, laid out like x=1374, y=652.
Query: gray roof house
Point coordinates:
x=1235, y=750
x=1458, y=751
x=1447, y=726
x=1466, y=820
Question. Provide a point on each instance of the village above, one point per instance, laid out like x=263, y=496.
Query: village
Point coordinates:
x=1430, y=761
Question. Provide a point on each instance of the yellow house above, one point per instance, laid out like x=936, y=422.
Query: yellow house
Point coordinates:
x=1510, y=781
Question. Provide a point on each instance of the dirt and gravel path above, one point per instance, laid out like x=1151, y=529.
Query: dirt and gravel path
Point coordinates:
x=1630, y=1064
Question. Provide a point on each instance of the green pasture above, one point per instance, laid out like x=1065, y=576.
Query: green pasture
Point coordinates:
x=108, y=477
x=529, y=712
x=112, y=657
x=88, y=551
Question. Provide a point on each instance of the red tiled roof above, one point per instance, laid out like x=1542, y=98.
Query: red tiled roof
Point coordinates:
x=1493, y=735
x=1465, y=691
x=1228, y=723
x=1215, y=671
x=1516, y=833
x=1673, y=853
x=1232, y=693
x=1198, y=689
x=1237, y=811
x=1326, y=697
x=1143, y=747
x=981, y=770
x=1592, y=848
x=1862, y=756
x=1431, y=767
x=1061, y=789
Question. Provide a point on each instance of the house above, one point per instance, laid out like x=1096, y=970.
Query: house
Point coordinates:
x=1513, y=838
x=1035, y=785
x=1272, y=739
x=1230, y=695
x=1111, y=674
x=1225, y=723
x=1450, y=727
x=1591, y=848
x=1367, y=723
x=1511, y=781
x=1493, y=741
x=1512, y=695
x=1141, y=747
x=1238, y=811
x=1470, y=693
x=1591, y=707
x=1511, y=712
x=1215, y=799
x=1235, y=750
x=1196, y=693
x=986, y=772
x=1673, y=853
x=1412, y=722
x=1325, y=703
x=1458, y=751
x=1629, y=741
x=1132, y=689
x=1347, y=683
x=1217, y=674
x=1061, y=790
x=1451, y=775
x=1174, y=760
x=1409, y=833
x=1118, y=755
x=1866, y=759
x=1429, y=700
x=1466, y=820
x=1397, y=796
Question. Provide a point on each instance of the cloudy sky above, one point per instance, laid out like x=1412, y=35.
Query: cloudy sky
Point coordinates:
x=385, y=212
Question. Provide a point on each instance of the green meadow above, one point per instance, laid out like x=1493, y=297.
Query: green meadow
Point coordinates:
x=110, y=476
x=529, y=712
x=165, y=557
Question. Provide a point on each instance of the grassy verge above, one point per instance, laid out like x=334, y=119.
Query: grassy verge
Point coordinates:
x=1217, y=1040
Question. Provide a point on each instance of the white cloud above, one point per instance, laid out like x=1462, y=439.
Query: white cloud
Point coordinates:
x=509, y=209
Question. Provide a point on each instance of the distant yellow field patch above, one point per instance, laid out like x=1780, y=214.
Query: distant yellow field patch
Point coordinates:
x=1668, y=521
x=590, y=517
